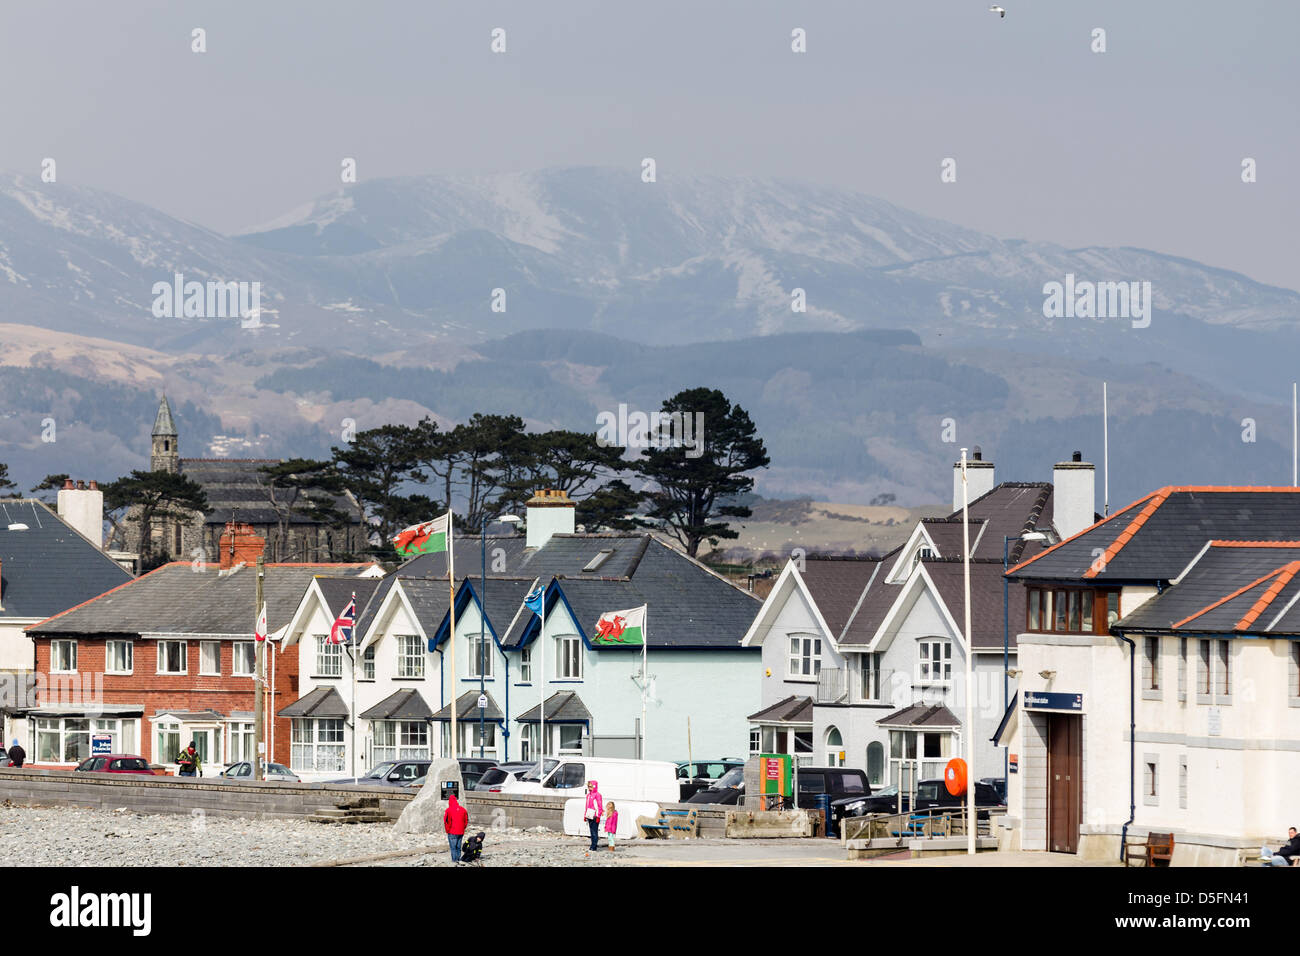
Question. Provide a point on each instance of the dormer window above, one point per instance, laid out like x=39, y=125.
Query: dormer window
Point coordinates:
x=922, y=554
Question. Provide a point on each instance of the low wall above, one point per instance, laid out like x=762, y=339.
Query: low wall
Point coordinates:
x=275, y=799
x=1101, y=844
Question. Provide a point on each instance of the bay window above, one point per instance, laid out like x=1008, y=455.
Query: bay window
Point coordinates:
x=1071, y=610
x=317, y=745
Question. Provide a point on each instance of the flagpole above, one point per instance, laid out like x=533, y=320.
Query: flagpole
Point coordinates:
x=451, y=590
x=541, y=683
x=969, y=729
x=352, y=656
x=645, y=641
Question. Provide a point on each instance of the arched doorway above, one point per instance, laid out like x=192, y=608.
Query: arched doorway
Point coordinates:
x=834, y=748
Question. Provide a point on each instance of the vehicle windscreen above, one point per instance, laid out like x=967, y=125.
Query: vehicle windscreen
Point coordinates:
x=381, y=770
x=732, y=778
x=492, y=778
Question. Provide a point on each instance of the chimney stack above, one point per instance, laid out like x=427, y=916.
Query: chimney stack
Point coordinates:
x=83, y=509
x=1074, y=495
x=239, y=544
x=550, y=511
x=979, y=477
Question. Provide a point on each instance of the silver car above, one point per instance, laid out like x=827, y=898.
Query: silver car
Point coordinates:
x=243, y=771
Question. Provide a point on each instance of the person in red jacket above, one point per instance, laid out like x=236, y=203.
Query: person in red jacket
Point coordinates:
x=454, y=822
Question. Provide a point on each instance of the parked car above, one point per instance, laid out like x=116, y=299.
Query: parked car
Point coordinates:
x=243, y=770
x=619, y=779
x=390, y=773
x=929, y=795
x=727, y=790
x=501, y=777
x=999, y=784
x=694, y=776
x=837, y=782
x=472, y=768
x=115, y=763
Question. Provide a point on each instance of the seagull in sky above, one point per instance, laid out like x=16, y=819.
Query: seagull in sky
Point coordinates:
x=998, y=10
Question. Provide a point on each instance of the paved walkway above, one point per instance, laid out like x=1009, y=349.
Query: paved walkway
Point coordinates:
x=814, y=852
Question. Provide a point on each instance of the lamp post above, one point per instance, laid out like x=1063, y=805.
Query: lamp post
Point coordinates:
x=482, y=625
x=1006, y=635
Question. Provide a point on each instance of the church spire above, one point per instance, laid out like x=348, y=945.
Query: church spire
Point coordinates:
x=165, y=452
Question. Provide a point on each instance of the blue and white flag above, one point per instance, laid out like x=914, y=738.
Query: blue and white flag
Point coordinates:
x=534, y=599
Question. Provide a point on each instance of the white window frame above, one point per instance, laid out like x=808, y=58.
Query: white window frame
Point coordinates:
x=237, y=652
x=367, y=664
x=400, y=740
x=240, y=740
x=568, y=657
x=185, y=656
x=934, y=649
x=526, y=665
x=803, y=660
x=755, y=740
x=475, y=645
x=59, y=655
x=309, y=753
x=329, y=657
x=410, y=656
x=868, y=677
x=833, y=751
x=166, y=727
x=109, y=647
x=204, y=647
x=556, y=733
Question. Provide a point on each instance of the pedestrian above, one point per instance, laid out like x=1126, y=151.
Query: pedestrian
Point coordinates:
x=1285, y=853
x=611, y=824
x=16, y=753
x=592, y=811
x=454, y=822
x=191, y=765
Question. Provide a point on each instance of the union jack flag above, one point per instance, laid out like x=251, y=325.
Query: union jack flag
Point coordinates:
x=341, y=631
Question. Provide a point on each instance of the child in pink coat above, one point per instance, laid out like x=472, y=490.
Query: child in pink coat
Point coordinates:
x=611, y=823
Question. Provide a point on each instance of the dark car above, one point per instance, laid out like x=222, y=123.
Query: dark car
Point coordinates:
x=838, y=783
x=930, y=794
x=471, y=768
x=727, y=790
x=696, y=775
x=999, y=784
x=390, y=773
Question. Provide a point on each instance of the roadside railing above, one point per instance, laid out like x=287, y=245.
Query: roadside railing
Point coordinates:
x=926, y=824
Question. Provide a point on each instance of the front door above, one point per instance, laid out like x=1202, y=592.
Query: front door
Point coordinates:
x=1064, y=782
x=206, y=743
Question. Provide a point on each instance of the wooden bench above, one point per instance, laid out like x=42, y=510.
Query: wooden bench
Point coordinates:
x=1156, y=847
x=670, y=823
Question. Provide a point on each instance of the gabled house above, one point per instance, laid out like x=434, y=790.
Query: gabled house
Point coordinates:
x=1179, y=614
x=697, y=666
x=864, y=658
x=168, y=658
x=47, y=565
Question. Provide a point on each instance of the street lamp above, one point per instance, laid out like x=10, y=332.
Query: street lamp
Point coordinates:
x=1006, y=634
x=482, y=632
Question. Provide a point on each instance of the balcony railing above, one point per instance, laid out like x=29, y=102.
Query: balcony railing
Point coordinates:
x=832, y=685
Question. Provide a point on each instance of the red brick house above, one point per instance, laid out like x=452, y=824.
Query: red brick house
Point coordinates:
x=168, y=658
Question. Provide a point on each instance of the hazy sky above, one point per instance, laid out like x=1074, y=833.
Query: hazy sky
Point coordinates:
x=1141, y=145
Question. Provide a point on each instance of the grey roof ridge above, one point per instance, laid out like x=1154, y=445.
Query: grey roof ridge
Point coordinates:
x=57, y=517
x=701, y=565
x=1282, y=613
x=1031, y=523
x=1192, y=563
x=857, y=607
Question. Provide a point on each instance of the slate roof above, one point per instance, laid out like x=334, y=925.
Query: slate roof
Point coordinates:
x=986, y=621
x=49, y=567
x=1155, y=537
x=1233, y=587
x=337, y=591
x=837, y=585
x=561, y=706
x=792, y=710
x=405, y=704
x=467, y=708
x=921, y=715
x=236, y=491
x=322, y=702
x=179, y=598
x=163, y=426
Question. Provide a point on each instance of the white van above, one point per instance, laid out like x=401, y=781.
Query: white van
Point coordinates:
x=618, y=779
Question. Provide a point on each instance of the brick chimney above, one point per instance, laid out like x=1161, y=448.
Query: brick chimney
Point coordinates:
x=550, y=511
x=239, y=544
x=82, y=507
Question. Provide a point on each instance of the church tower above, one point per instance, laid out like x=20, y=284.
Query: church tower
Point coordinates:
x=165, y=455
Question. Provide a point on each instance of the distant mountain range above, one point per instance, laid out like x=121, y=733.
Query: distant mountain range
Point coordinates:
x=617, y=290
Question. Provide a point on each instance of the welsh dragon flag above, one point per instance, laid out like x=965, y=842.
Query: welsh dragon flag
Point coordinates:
x=621, y=628
x=427, y=538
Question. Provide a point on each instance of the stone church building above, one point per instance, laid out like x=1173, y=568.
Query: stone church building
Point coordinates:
x=237, y=491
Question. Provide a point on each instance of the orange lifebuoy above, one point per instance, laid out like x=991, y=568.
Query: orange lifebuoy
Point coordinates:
x=954, y=776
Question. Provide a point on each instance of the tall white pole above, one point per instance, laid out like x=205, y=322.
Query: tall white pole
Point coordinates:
x=1295, y=444
x=970, y=684
x=1105, y=446
x=645, y=639
x=541, y=683
x=451, y=637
